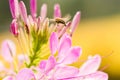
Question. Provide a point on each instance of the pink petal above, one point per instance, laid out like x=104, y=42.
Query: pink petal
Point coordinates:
x=57, y=11
x=9, y=78
x=64, y=30
x=75, y=22
x=33, y=8
x=97, y=76
x=14, y=27
x=91, y=65
x=42, y=64
x=8, y=50
x=25, y=74
x=14, y=8
x=94, y=76
x=50, y=64
x=65, y=44
x=65, y=72
x=23, y=12
x=72, y=55
x=43, y=12
x=53, y=43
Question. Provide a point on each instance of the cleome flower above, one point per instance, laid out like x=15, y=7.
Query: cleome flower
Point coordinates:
x=34, y=30
x=35, y=34
x=57, y=68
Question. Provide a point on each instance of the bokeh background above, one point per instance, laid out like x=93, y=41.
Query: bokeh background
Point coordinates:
x=97, y=33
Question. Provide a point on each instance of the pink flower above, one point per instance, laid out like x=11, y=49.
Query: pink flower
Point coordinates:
x=51, y=70
x=63, y=54
x=56, y=68
x=8, y=52
x=66, y=53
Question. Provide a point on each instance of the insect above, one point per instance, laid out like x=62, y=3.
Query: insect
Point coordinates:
x=60, y=20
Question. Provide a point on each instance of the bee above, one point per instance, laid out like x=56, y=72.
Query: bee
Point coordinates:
x=60, y=21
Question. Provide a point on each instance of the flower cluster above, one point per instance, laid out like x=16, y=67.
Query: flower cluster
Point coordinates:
x=37, y=33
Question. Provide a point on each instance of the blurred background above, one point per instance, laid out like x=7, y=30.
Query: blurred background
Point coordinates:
x=98, y=31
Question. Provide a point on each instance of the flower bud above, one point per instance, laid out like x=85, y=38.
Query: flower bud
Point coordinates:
x=43, y=12
x=14, y=27
x=57, y=11
x=14, y=8
x=75, y=22
x=23, y=12
x=33, y=8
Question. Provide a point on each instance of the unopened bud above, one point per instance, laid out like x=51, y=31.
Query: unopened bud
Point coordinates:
x=43, y=12
x=33, y=8
x=23, y=12
x=14, y=8
x=75, y=22
x=57, y=11
x=14, y=27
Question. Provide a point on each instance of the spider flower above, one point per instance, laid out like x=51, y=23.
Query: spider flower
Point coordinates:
x=8, y=52
x=34, y=32
x=57, y=66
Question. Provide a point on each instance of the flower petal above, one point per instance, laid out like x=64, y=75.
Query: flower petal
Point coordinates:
x=8, y=50
x=64, y=30
x=43, y=12
x=72, y=55
x=75, y=22
x=25, y=74
x=97, y=76
x=94, y=76
x=23, y=12
x=65, y=72
x=50, y=64
x=14, y=27
x=91, y=65
x=57, y=11
x=9, y=78
x=53, y=42
x=42, y=64
x=33, y=8
x=64, y=46
x=14, y=8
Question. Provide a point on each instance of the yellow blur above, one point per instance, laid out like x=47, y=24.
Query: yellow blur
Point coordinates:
x=101, y=36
